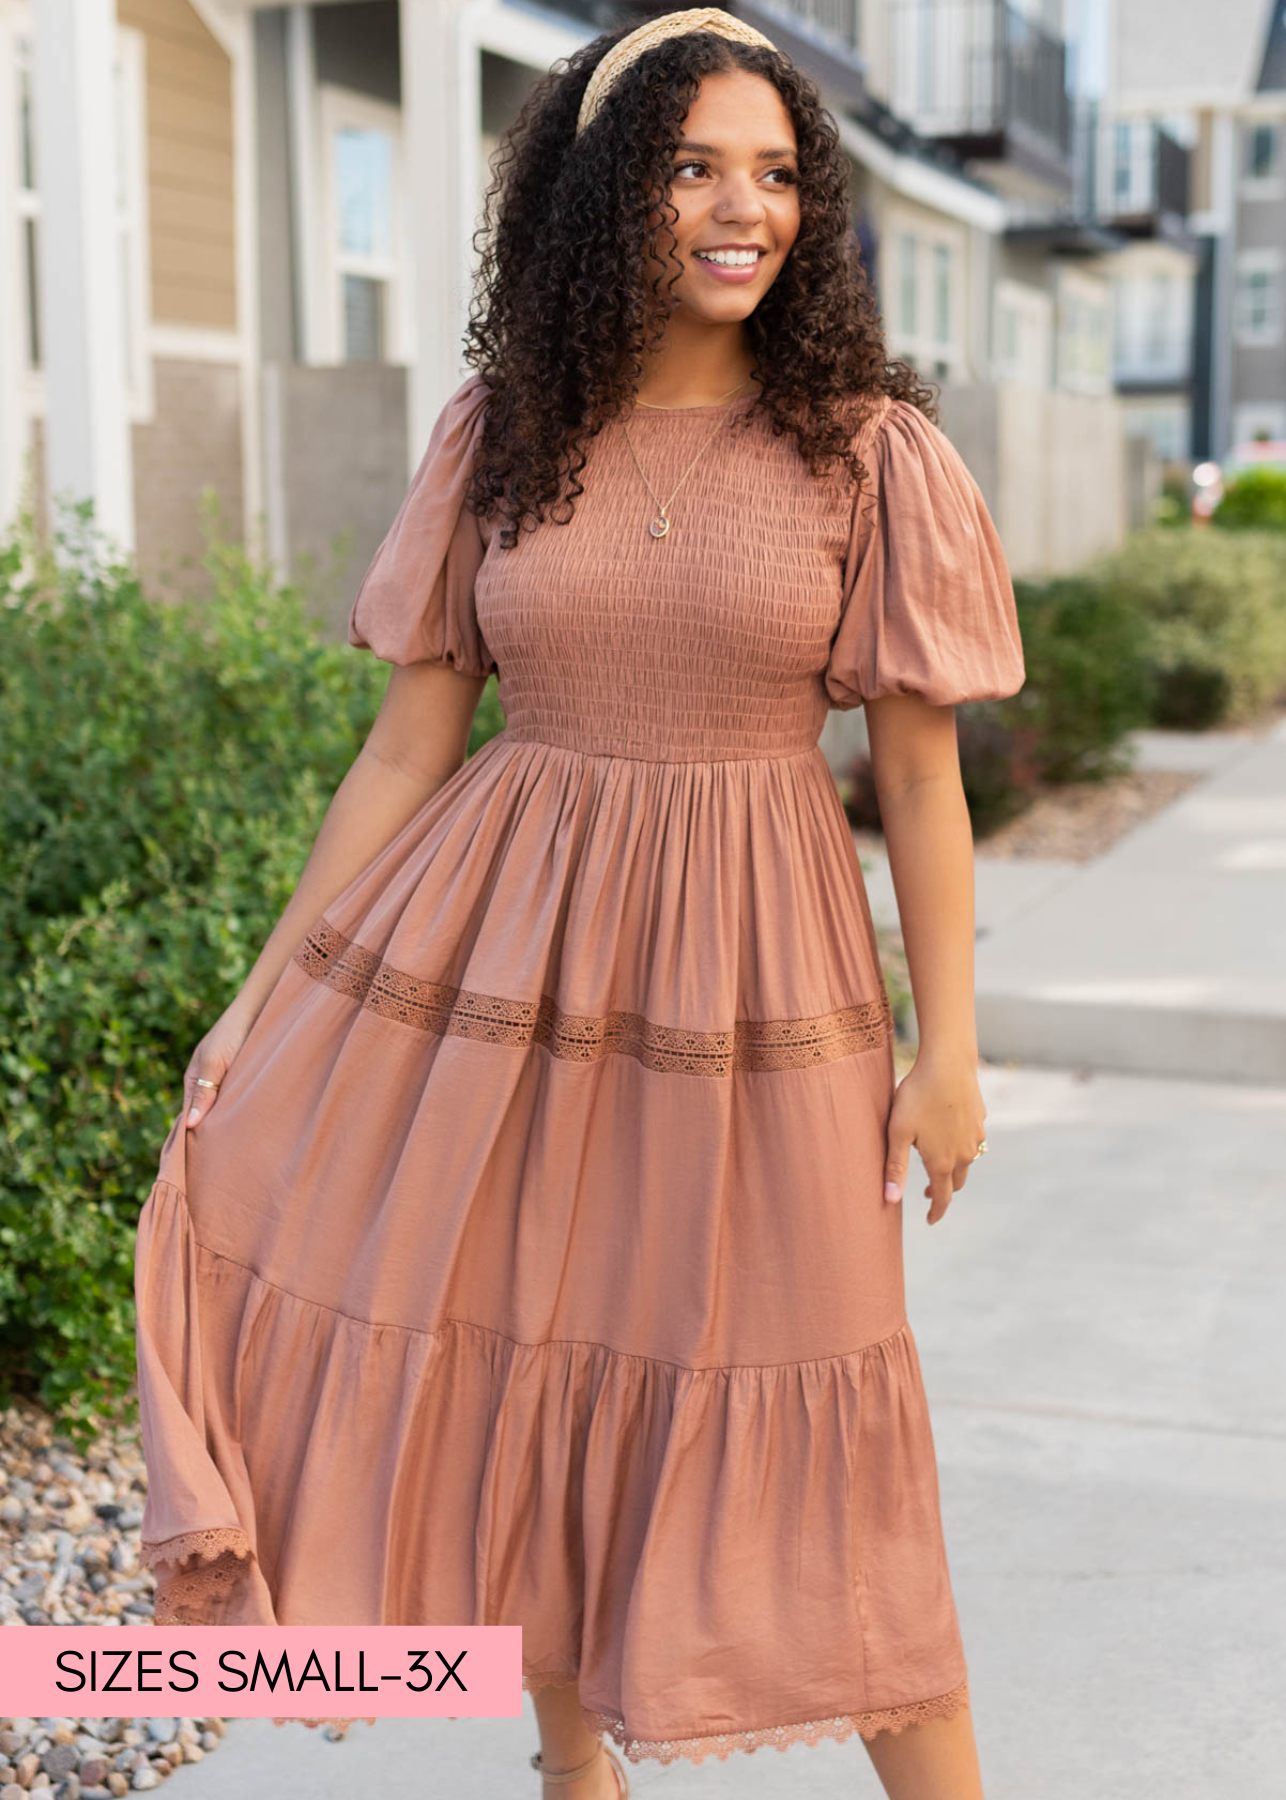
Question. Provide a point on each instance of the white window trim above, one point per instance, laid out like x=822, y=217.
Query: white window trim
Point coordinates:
x=1250, y=262
x=338, y=107
x=922, y=344
x=1091, y=293
x=1035, y=305
x=1258, y=415
x=134, y=224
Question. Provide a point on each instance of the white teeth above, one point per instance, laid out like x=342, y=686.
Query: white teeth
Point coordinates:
x=731, y=259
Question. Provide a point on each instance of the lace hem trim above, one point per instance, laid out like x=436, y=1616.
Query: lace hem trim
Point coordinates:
x=722, y=1744
x=760, y=1044
x=185, y=1595
x=207, y=1545
x=779, y=1737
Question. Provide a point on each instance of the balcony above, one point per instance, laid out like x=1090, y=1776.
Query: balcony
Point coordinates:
x=991, y=83
x=822, y=36
x=832, y=22
x=1133, y=174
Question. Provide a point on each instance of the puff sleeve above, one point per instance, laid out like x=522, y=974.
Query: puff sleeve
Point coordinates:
x=416, y=601
x=928, y=604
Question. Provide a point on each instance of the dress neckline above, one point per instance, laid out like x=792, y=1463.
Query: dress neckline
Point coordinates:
x=686, y=412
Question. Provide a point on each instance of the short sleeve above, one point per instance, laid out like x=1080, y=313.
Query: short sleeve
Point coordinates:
x=416, y=601
x=928, y=604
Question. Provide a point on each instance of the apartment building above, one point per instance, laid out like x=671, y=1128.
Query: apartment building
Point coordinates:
x=230, y=273
x=1218, y=76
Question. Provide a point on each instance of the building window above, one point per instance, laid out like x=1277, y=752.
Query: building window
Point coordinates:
x=1084, y=335
x=132, y=219
x=1258, y=422
x=28, y=212
x=926, y=327
x=1259, y=298
x=131, y=216
x=1263, y=152
x=908, y=284
x=364, y=238
x=943, y=335
x=1158, y=333
x=1123, y=163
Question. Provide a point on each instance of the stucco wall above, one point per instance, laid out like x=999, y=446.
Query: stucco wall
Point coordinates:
x=336, y=441
x=193, y=442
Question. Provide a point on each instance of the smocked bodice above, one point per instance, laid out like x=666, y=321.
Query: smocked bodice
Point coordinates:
x=709, y=643
x=777, y=593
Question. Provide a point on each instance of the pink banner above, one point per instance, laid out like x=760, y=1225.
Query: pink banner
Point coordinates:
x=252, y=1672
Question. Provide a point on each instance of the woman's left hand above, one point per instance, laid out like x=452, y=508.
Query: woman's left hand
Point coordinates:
x=938, y=1107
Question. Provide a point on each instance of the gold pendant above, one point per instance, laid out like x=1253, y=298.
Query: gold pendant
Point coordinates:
x=659, y=526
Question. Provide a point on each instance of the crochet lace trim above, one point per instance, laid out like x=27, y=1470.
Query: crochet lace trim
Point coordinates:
x=722, y=1744
x=762, y=1044
x=779, y=1737
x=222, y=1552
x=207, y=1545
x=218, y=1557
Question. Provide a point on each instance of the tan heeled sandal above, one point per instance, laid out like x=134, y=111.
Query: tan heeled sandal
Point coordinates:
x=561, y=1775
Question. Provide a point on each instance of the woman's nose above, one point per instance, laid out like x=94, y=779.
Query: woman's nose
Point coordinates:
x=739, y=200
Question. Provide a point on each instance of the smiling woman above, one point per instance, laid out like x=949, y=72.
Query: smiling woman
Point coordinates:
x=553, y=1177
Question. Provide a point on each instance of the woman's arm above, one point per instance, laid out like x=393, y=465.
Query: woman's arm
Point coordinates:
x=419, y=739
x=938, y=1105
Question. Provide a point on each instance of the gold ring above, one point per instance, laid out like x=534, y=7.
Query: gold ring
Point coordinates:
x=979, y=1151
x=202, y=1082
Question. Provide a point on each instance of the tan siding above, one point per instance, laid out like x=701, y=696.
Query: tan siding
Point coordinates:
x=190, y=166
x=207, y=218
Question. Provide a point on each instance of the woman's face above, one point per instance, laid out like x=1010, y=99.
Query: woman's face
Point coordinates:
x=736, y=189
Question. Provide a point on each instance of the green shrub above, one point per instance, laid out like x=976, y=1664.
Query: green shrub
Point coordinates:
x=1214, y=610
x=1253, y=501
x=166, y=768
x=1084, y=646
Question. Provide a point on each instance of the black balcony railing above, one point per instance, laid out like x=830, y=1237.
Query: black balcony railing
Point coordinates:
x=1130, y=171
x=839, y=21
x=1173, y=175
x=976, y=71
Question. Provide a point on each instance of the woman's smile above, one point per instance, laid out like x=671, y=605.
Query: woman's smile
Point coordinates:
x=731, y=263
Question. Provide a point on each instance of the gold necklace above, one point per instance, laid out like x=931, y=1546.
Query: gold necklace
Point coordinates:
x=659, y=526
x=653, y=407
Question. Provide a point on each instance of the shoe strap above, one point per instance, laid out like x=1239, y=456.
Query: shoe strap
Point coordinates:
x=562, y=1775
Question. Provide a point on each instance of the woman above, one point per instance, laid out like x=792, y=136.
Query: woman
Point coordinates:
x=539, y=1260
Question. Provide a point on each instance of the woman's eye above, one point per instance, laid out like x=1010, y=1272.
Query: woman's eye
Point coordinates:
x=688, y=165
x=789, y=176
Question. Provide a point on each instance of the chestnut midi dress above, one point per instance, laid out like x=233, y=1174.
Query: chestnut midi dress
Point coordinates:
x=533, y=1265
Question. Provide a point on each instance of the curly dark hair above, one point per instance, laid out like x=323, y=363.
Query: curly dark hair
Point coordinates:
x=564, y=309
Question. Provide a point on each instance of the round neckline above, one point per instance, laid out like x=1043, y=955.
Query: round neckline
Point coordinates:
x=683, y=412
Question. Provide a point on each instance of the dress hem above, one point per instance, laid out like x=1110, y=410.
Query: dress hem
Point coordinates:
x=838, y=1728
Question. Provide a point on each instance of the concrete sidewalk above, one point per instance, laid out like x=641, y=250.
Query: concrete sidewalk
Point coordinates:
x=1101, y=1324
x=1166, y=955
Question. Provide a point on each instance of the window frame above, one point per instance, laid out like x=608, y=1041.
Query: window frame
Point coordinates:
x=1030, y=307
x=1075, y=294
x=1271, y=186
x=925, y=243
x=1250, y=263
x=132, y=223
x=341, y=108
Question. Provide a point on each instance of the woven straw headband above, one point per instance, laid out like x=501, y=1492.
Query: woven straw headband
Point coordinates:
x=656, y=31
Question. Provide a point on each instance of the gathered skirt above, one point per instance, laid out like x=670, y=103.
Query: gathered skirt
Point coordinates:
x=532, y=1266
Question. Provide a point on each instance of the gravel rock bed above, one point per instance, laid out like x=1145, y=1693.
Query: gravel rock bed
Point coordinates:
x=96, y=1759
x=69, y=1528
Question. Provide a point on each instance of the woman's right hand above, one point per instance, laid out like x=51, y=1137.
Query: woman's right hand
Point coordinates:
x=212, y=1059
